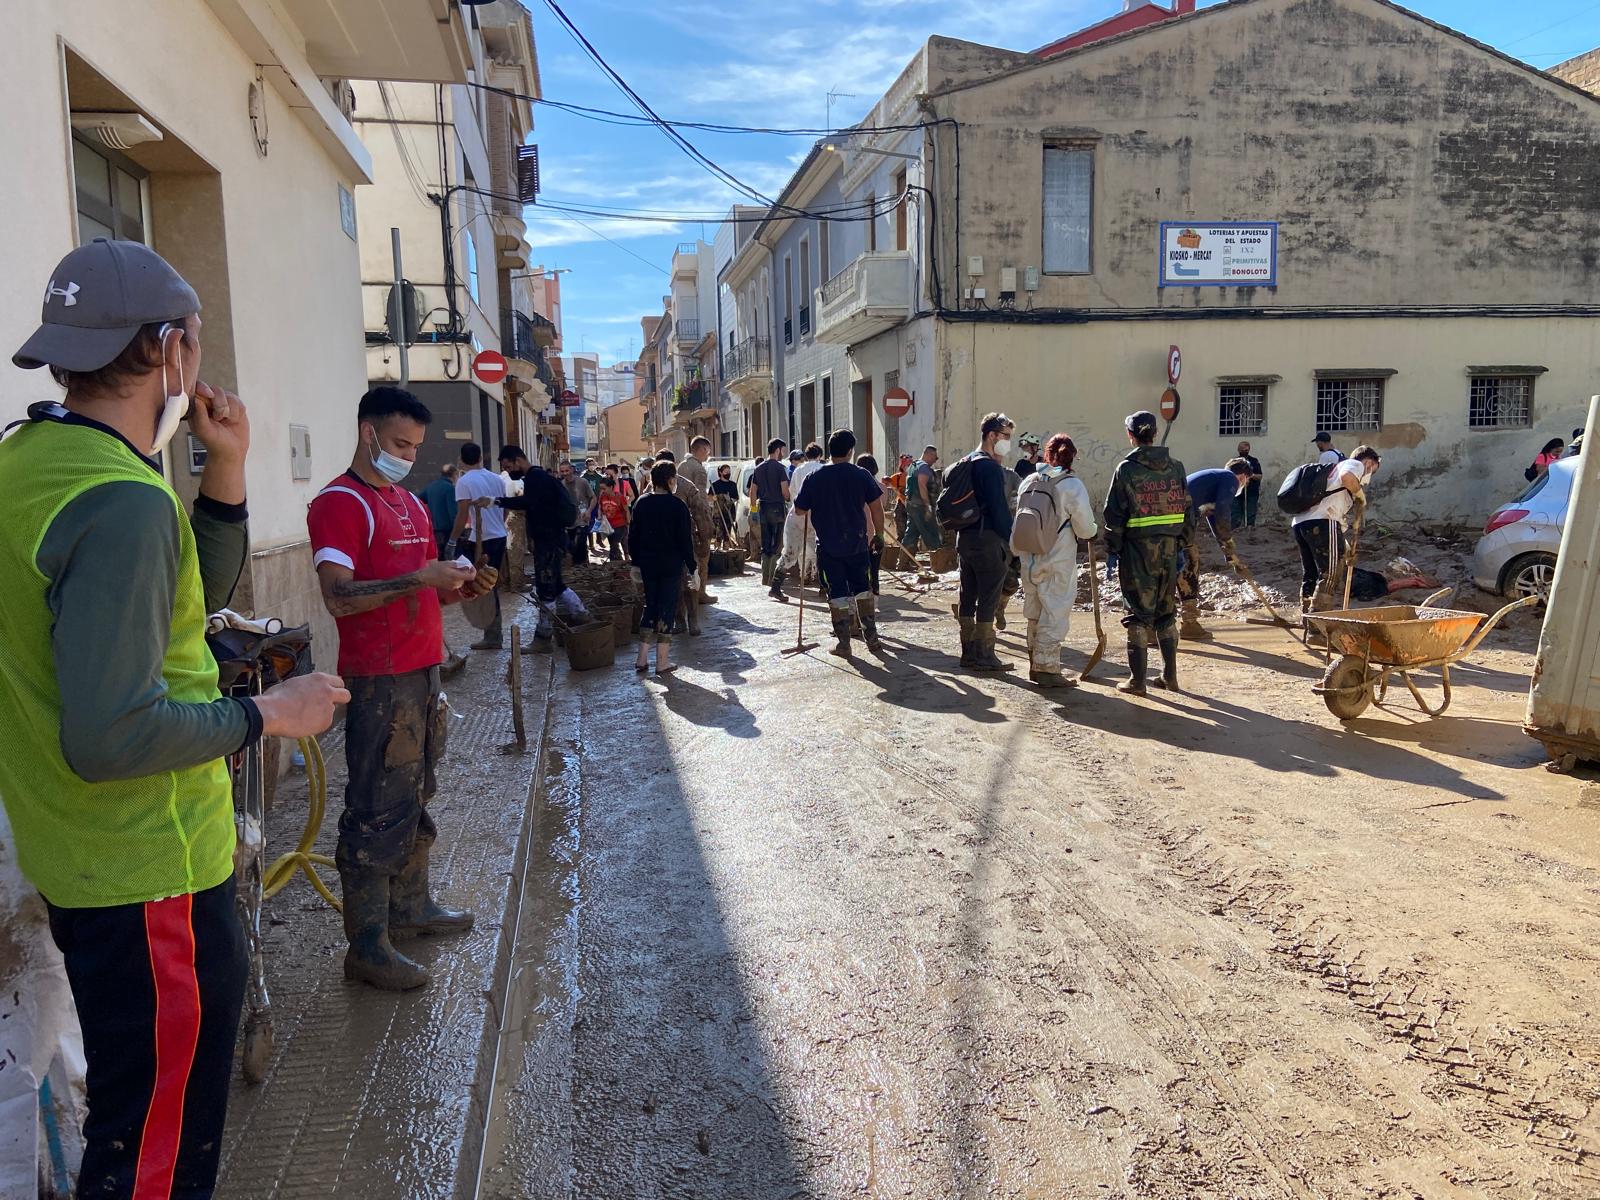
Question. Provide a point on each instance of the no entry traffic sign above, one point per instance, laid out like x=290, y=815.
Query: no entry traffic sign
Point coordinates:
x=489, y=366
x=897, y=402
x=1170, y=403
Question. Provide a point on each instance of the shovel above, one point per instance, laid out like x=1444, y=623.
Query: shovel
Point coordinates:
x=800, y=644
x=1245, y=574
x=1099, y=630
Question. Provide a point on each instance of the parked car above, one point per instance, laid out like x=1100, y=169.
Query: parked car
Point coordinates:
x=1516, y=556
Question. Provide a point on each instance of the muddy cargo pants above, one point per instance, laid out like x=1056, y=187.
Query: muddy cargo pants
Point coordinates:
x=1148, y=572
x=393, y=738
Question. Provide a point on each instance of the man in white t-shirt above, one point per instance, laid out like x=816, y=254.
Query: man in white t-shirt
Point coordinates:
x=1327, y=453
x=798, y=530
x=485, y=523
x=1319, y=531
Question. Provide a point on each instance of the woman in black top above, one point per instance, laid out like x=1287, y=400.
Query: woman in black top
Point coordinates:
x=661, y=545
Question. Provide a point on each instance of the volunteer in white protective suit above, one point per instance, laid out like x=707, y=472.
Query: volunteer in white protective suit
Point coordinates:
x=797, y=529
x=1050, y=579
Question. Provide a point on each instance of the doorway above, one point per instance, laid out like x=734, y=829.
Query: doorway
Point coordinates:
x=808, y=413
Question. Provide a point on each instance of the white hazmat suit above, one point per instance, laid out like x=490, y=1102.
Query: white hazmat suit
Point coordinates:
x=1050, y=581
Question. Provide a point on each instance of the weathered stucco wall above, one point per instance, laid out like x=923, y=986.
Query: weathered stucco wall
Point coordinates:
x=1405, y=164
x=1084, y=379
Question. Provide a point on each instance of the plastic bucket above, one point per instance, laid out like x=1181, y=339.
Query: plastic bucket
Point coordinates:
x=591, y=646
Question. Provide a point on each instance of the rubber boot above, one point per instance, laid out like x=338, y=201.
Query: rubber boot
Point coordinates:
x=664, y=658
x=867, y=609
x=493, y=637
x=969, y=639
x=841, y=632
x=1041, y=672
x=1191, y=630
x=766, y=570
x=372, y=957
x=1000, y=612
x=691, y=605
x=776, y=590
x=1169, y=663
x=1138, y=669
x=983, y=655
x=412, y=909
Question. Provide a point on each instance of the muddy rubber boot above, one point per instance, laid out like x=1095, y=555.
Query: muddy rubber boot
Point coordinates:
x=1138, y=668
x=1169, y=664
x=867, y=610
x=776, y=590
x=841, y=632
x=691, y=604
x=969, y=637
x=983, y=655
x=1000, y=612
x=372, y=957
x=1191, y=630
x=664, y=658
x=769, y=568
x=412, y=909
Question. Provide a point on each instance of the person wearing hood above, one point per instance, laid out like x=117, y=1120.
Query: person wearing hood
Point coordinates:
x=1149, y=528
x=1052, y=577
x=113, y=764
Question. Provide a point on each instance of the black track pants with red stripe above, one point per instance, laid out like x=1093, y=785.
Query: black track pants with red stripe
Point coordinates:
x=158, y=988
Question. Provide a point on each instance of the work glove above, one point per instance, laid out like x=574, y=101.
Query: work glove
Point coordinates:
x=878, y=543
x=694, y=581
x=1112, y=562
x=481, y=584
x=1231, y=553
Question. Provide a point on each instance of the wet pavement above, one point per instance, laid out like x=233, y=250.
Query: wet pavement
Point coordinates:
x=796, y=927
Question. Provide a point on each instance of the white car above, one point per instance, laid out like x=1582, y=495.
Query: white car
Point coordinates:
x=1516, y=556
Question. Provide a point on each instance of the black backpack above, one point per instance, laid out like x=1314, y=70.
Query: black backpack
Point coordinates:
x=958, y=506
x=1305, y=487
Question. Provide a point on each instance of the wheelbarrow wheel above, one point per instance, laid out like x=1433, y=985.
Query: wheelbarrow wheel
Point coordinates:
x=258, y=1045
x=1346, y=688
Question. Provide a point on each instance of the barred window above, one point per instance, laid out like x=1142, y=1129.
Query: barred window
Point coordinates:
x=1500, y=402
x=1349, y=405
x=1241, y=410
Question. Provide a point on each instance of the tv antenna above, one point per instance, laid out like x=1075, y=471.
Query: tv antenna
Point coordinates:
x=835, y=94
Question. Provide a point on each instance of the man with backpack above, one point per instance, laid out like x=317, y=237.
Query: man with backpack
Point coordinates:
x=1148, y=531
x=1053, y=515
x=1327, y=453
x=973, y=507
x=1321, y=497
x=1211, y=495
x=550, y=511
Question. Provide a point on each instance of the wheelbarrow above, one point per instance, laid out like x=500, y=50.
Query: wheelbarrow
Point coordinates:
x=1374, y=644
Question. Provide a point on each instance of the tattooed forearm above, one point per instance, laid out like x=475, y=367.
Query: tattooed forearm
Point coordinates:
x=346, y=597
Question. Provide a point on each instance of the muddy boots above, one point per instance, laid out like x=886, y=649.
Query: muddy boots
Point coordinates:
x=969, y=637
x=691, y=611
x=1169, y=662
x=1000, y=611
x=1041, y=671
x=841, y=628
x=1191, y=630
x=983, y=655
x=412, y=908
x=492, y=638
x=372, y=957
x=1138, y=664
x=767, y=563
x=867, y=610
x=776, y=590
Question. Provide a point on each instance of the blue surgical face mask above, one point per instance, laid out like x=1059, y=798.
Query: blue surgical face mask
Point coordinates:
x=390, y=466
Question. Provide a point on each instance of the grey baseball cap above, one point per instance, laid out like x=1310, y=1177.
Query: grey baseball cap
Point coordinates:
x=1141, y=423
x=98, y=297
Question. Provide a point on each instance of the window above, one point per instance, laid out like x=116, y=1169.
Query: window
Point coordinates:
x=872, y=223
x=1500, y=402
x=900, y=209
x=823, y=274
x=1068, y=209
x=1242, y=410
x=110, y=194
x=788, y=300
x=827, y=405
x=805, y=286
x=469, y=251
x=789, y=434
x=1349, y=405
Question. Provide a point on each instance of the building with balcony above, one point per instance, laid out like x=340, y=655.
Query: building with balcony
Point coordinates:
x=452, y=168
x=237, y=161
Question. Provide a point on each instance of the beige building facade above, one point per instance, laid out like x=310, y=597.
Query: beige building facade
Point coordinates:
x=1402, y=264
x=240, y=167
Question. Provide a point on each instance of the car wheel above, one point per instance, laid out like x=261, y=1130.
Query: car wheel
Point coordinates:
x=1530, y=575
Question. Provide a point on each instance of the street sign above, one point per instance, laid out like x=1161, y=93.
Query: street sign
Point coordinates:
x=1174, y=365
x=1170, y=403
x=570, y=399
x=897, y=402
x=489, y=366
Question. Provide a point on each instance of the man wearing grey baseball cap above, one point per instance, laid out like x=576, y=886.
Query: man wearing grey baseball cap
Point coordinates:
x=112, y=767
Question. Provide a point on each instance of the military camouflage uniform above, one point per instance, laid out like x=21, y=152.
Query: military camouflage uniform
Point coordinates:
x=1147, y=523
x=693, y=487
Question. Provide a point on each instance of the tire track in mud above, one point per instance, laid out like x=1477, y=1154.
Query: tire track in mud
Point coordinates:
x=1488, y=1082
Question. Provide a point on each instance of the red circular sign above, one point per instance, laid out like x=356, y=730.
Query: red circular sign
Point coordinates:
x=489, y=366
x=897, y=402
x=1170, y=403
x=1174, y=364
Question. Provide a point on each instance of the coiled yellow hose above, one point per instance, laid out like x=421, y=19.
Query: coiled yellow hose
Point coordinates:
x=282, y=871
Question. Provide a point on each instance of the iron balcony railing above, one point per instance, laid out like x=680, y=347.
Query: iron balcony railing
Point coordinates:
x=687, y=330
x=753, y=356
x=518, y=340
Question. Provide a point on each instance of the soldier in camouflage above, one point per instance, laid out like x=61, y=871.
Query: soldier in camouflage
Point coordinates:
x=1148, y=530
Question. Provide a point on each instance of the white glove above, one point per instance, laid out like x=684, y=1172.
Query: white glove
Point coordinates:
x=694, y=581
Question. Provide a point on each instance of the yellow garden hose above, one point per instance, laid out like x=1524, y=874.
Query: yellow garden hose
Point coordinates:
x=281, y=872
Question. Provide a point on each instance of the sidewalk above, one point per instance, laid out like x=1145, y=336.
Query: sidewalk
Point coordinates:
x=372, y=1094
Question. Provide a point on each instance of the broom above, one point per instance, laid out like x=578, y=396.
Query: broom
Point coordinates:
x=800, y=644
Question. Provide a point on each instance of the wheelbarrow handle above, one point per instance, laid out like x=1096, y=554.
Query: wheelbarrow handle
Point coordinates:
x=1483, y=630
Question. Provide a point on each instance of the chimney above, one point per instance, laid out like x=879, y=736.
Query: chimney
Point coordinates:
x=1180, y=7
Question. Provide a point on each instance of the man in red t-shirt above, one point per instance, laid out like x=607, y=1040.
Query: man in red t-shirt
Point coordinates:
x=373, y=548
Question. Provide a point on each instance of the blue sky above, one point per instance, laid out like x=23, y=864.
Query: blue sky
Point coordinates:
x=773, y=65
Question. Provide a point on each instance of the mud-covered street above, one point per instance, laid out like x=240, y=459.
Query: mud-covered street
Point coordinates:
x=801, y=927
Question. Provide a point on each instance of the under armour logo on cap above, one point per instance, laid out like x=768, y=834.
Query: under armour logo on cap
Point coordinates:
x=68, y=294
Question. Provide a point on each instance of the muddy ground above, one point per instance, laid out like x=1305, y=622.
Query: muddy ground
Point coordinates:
x=806, y=927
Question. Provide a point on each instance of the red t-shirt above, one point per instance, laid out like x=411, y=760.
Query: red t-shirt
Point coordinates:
x=615, y=507
x=379, y=533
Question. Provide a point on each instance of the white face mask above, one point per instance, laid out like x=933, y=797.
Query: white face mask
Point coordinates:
x=177, y=403
x=1003, y=447
x=390, y=466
